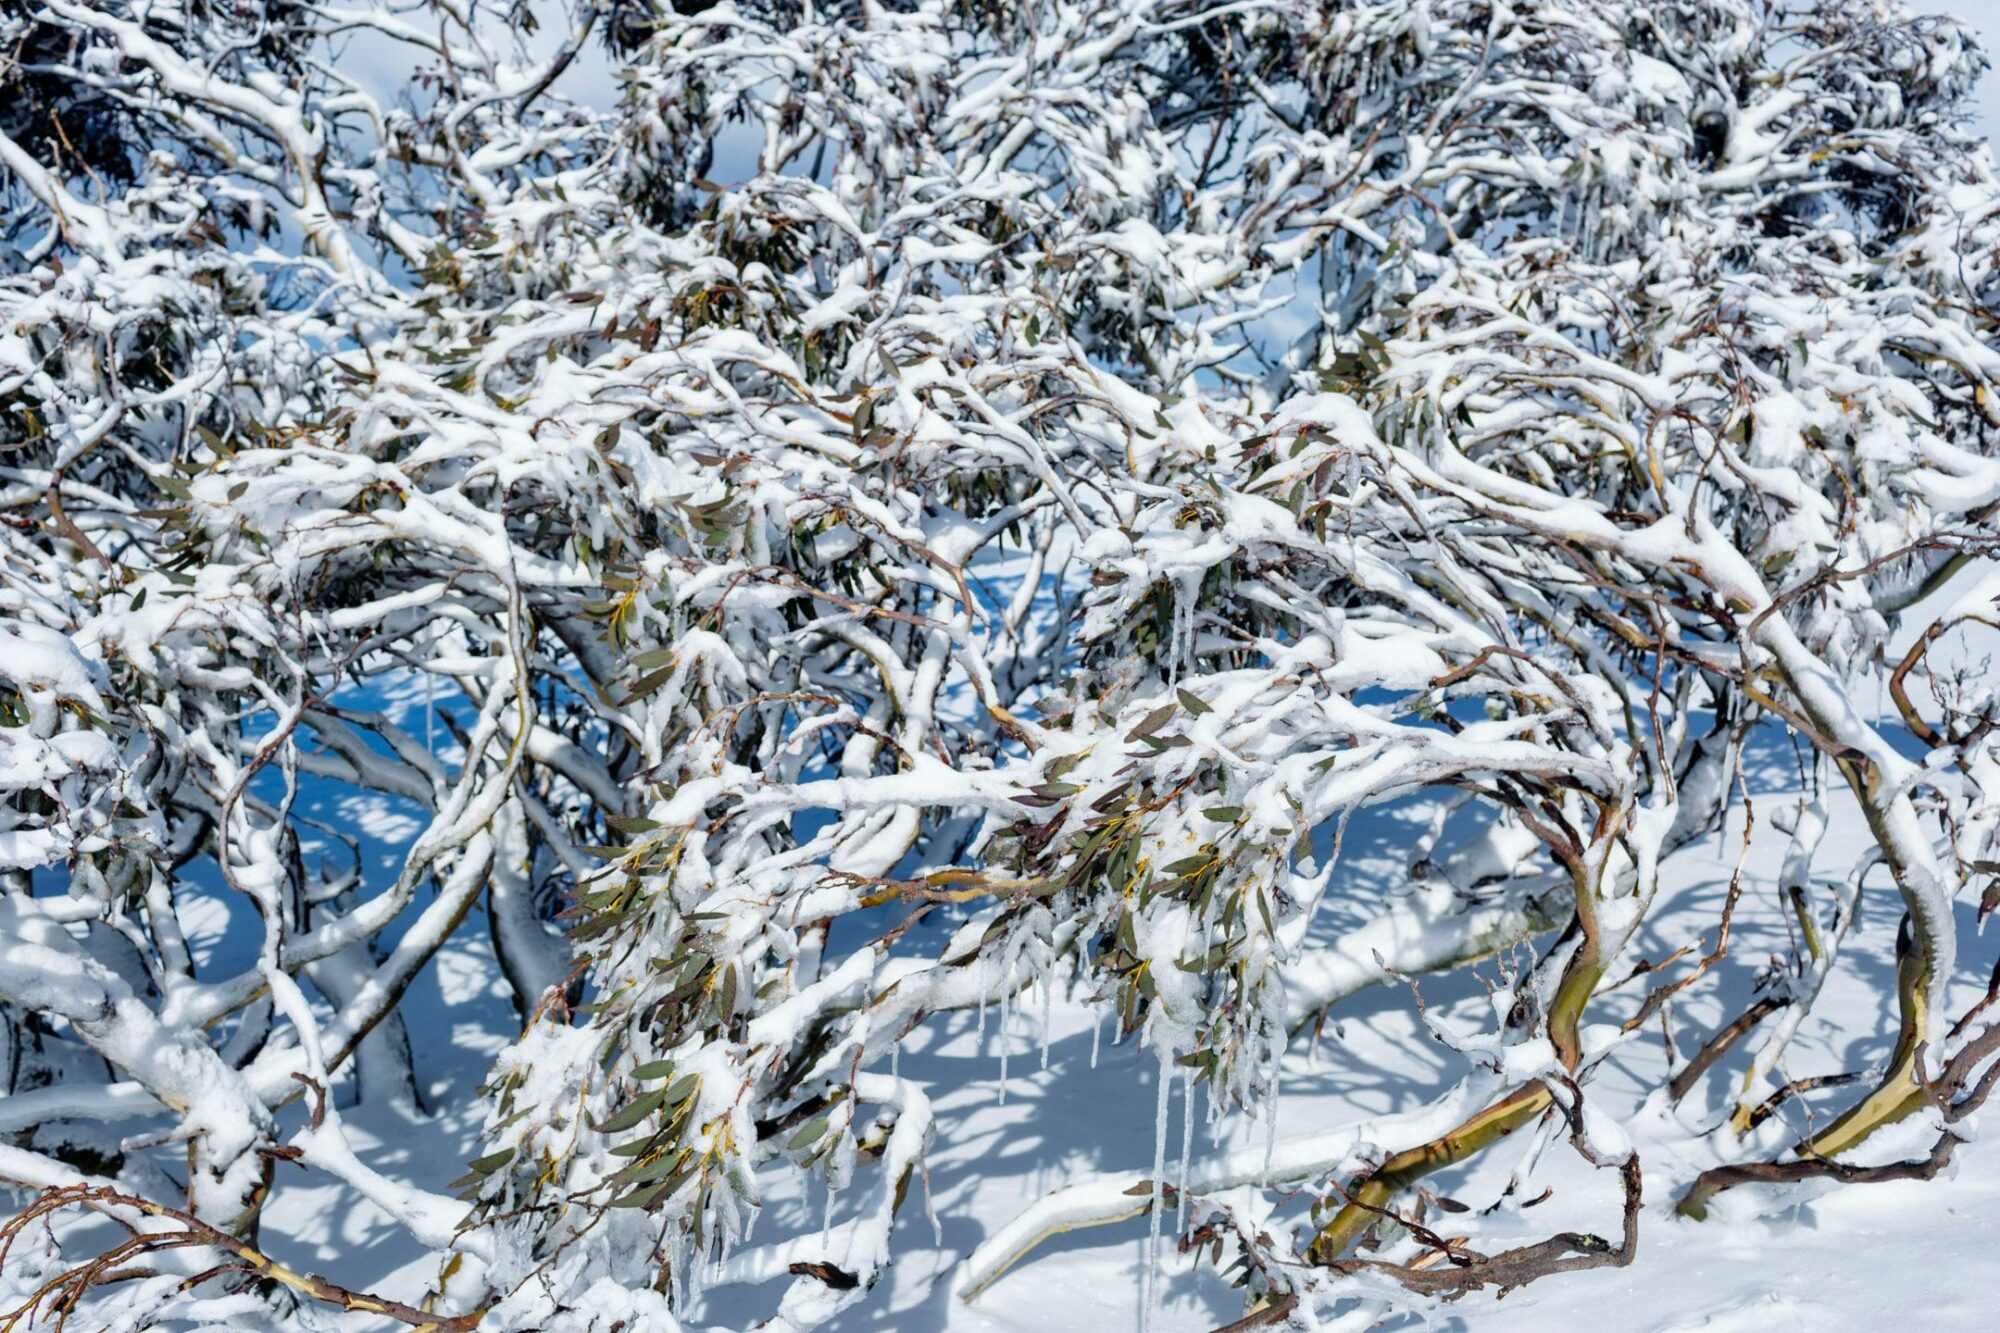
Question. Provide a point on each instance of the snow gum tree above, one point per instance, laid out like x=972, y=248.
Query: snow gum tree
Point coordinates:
x=896, y=509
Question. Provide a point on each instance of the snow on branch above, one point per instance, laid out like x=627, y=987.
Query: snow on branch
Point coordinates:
x=815, y=520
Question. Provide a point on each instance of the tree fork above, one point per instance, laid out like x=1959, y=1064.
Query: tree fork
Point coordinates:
x=1900, y=1092
x=1368, y=1197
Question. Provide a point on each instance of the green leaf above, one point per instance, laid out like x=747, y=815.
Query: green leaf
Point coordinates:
x=682, y=1089
x=646, y=1172
x=647, y=683
x=641, y=1197
x=632, y=823
x=492, y=1162
x=635, y=1112
x=1151, y=723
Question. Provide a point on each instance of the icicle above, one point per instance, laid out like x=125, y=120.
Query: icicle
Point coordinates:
x=1149, y=1277
x=691, y=1279
x=930, y=1206
x=979, y=1029
x=677, y=1276
x=1096, y=1036
x=1180, y=650
x=1006, y=1042
x=1048, y=1003
x=1187, y=1150
x=1271, y=1118
x=896, y=1060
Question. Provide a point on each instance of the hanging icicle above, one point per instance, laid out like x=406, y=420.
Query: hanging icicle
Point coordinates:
x=1149, y=1278
x=1187, y=1151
